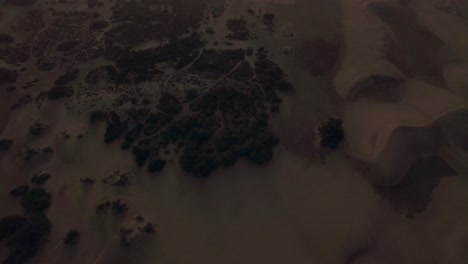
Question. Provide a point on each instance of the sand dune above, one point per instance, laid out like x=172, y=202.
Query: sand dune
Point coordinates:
x=308, y=205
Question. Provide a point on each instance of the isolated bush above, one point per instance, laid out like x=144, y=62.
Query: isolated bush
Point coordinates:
x=36, y=200
x=71, y=238
x=332, y=133
x=20, y=190
x=28, y=239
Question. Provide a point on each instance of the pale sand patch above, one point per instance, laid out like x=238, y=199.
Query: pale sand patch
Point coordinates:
x=369, y=125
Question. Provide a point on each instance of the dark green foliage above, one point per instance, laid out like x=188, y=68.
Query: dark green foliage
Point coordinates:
x=30, y=152
x=125, y=145
x=48, y=150
x=141, y=155
x=141, y=64
x=169, y=104
x=226, y=122
x=238, y=28
x=249, y=51
x=36, y=200
x=200, y=135
x=156, y=165
x=332, y=133
x=115, y=127
x=5, y=144
x=274, y=108
x=97, y=116
x=199, y=162
x=244, y=72
x=71, y=238
x=134, y=133
x=8, y=76
x=149, y=228
x=37, y=129
x=28, y=239
x=60, y=91
x=228, y=158
x=20, y=190
x=45, y=64
x=140, y=21
x=20, y=2
x=270, y=75
x=156, y=122
x=191, y=94
x=269, y=20
x=5, y=38
x=93, y=3
x=10, y=224
x=67, y=46
x=69, y=76
x=40, y=178
x=217, y=62
x=260, y=154
x=98, y=25
x=119, y=207
x=102, y=73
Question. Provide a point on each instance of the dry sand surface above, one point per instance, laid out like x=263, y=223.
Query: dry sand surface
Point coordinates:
x=388, y=195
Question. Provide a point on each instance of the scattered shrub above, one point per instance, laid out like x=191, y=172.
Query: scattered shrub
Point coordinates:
x=71, y=238
x=28, y=239
x=60, y=91
x=332, y=133
x=156, y=165
x=40, y=178
x=20, y=190
x=5, y=144
x=36, y=200
x=10, y=224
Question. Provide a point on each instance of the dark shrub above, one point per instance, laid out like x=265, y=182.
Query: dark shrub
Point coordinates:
x=97, y=116
x=67, y=46
x=228, y=158
x=40, y=178
x=8, y=76
x=5, y=38
x=59, y=92
x=156, y=165
x=69, y=76
x=28, y=239
x=332, y=133
x=20, y=190
x=260, y=154
x=119, y=207
x=37, y=129
x=5, y=144
x=36, y=200
x=10, y=224
x=71, y=238
x=115, y=128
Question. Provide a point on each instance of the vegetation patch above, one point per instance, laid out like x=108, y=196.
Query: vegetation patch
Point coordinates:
x=40, y=178
x=71, y=238
x=28, y=239
x=60, y=91
x=238, y=28
x=20, y=190
x=36, y=200
x=8, y=76
x=5, y=144
x=332, y=133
